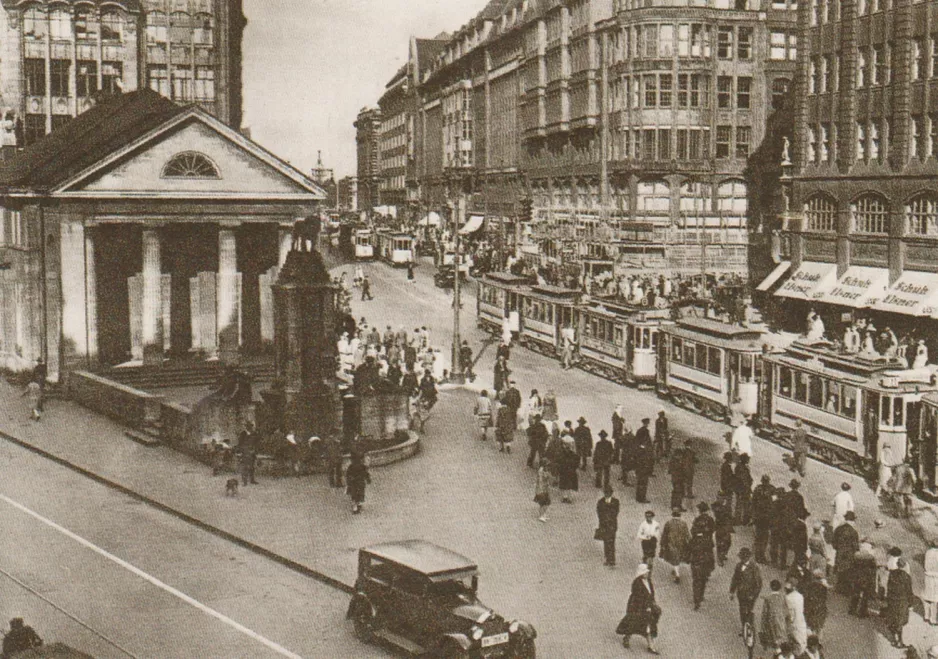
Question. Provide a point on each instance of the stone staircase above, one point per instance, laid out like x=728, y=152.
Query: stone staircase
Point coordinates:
x=184, y=374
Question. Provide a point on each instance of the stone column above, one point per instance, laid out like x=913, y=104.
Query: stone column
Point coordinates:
x=285, y=243
x=152, y=302
x=74, y=293
x=228, y=316
x=91, y=296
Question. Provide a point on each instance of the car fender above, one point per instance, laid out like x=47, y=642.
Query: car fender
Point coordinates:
x=460, y=639
x=359, y=601
x=526, y=630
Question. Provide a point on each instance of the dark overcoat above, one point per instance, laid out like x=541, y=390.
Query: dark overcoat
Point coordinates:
x=899, y=598
x=641, y=612
x=607, y=513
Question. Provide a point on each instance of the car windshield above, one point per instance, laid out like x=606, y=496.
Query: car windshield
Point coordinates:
x=455, y=589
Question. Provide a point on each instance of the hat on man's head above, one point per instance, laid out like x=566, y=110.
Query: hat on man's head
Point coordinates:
x=581, y=420
x=745, y=553
x=607, y=490
x=794, y=484
x=850, y=516
x=845, y=486
x=766, y=479
x=603, y=434
x=646, y=420
x=703, y=507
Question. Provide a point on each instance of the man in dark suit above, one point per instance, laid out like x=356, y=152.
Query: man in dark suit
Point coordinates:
x=602, y=459
x=746, y=584
x=645, y=461
x=762, y=515
x=607, y=511
x=583, y=439
x=846, y=544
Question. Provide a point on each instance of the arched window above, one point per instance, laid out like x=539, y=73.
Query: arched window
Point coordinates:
x=869, y=214
x=112, y=27
x=654, y=196
x=35, y=24
x=731, y=198
x=190, y=164
x=921, y=213
x=696, y=197
x=821, y=214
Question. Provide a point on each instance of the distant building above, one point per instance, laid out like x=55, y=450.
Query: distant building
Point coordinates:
x=320, y=172
x=367, y=131
x=862, y=230
x=348, y=193
x=59, y=57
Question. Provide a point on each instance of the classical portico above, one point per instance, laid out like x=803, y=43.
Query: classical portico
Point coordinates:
x=165, y=243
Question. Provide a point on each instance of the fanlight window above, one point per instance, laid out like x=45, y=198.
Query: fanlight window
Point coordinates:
x=869, y=214
x=190, y=165
x=922, y=215
x=821, y=214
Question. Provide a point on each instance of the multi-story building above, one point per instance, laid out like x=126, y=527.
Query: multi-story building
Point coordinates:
x=367, y=131
x=348, y=193
x=862, y=230
x=57, y=57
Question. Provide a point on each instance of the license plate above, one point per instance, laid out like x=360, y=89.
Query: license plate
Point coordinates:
x=498, y=639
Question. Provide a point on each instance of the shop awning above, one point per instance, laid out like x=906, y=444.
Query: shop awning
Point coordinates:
x=858, y=287
x=914, y=294
x=473, y=224
x=775, y=275
x=431, y=219
x=809, y=281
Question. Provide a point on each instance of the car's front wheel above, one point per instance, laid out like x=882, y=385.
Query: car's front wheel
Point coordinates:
x=449, y=649
x=524, y=649
x=364, y=620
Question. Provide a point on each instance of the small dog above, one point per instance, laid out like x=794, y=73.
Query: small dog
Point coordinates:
x=231, y=487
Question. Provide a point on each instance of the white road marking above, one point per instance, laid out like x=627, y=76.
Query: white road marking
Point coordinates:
x=153, y=580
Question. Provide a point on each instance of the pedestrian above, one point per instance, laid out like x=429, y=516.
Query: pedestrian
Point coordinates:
x=791, y=510
x=366, y=289
x=727, y=475
x=774, y=628
x=930, y=591
x=662, y=436
x=501, y=374
x=815, y=591
x=676, y=469
x=410, y=272
x=819, y=551
x=550, y=406
x=675, y=538
x=410, y=358
x=794, y=618
x=356, y=478
x=899, y=598
x=513, y=401
x=689, y=457
x=762, y=502
x=247, y=445
x=334, y=459
x=742, y=480
x=799, y=442
x=428, y=393
x=583, y=438
x=778, y=529
x=886, y=465
x=20, y=639
x=483, y=412
x=503, y=350
x=542, y=490
x=618, y=429
x=813, y=650
x=628, y=454
x=846, y=544
x=863, y=581
x=902, y=486
x=644, y=461
x=741, y=439
x=843, y=503
x=700, y=551
x=786, y=651
x=567, y=463
x=723, y=527
x=746, y=585
x=34, y=393
x=465, y=361
x=607, y=512
x=506, y=330
x=798, y=542
x=40, y=376
x=535, y=406
x=642, y=611
x=505, y=427
x=649, y=532
x=537, y=440
x=602, y=459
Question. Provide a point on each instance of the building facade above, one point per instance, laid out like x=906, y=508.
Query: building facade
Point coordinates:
x=348, y=193
x=862, y=228
x=623, y=129
x=57, y=58
x=367, y=133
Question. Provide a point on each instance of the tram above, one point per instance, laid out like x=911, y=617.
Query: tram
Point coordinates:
x=545, y=311
x=363, y=243
x=711, y=367
x=851, y=405
x=499, y=297
x=924, y=448
x=395, y=248
x=620, y=342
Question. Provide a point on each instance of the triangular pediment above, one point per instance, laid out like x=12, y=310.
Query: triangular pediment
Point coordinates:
x=243, y=170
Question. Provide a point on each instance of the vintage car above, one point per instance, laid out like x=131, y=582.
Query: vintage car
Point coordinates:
x=445, y=276
x=421, y=598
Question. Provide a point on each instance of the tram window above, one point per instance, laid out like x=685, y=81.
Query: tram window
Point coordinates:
x=745, y=372
x=848, y=401
x=815, y=391
x=700, y=358
x=654, y=340
x=588, y=327
x=715, y=361
x=833, y=398
x=885, y=409
x=601, y=330
x=784, y=381
x=645, y=338
x=677, y=350
x=801, y=387
x=689, y=353
x=898, y=412
x=549, y=312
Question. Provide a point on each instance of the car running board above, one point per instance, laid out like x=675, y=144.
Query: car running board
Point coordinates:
x=399, y=641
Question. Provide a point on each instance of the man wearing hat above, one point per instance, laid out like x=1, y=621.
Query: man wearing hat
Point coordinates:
x=746, y=584
x=648, y=534
x=899, y=599
x=512, y=400
x=20, y=638
x=846, y=544
x=843, y=503
x=700, y=552
x=602, y=459
x=799, y=441
x=644, y=461
x=662, y=436
x=762, y=515
x=583, y=438
x=675, y=537
x=607, y=511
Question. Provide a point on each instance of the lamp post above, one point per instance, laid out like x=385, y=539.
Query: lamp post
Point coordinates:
x=459, y=215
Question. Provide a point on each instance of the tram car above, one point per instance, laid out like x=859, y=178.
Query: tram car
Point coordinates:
x=851, y=405
x=395, y=248
x=545, y=311
x=499, y=297
x=363, y=242
x=620, y=342
x=924, y=448
x=711, y=367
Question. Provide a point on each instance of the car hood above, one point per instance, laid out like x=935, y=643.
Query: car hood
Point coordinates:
x=476, y=613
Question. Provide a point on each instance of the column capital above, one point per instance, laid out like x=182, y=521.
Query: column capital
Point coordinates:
x=229, y=224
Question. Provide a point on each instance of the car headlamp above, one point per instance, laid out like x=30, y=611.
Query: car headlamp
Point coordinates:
x=477, y=633
x=513, y=627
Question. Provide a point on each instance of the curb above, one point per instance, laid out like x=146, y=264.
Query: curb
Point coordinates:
x=254, y=548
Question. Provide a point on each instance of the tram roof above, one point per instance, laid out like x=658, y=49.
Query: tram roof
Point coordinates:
x=555, y=291
x=506, y=278
x=887, y=380
x=827, y=354
x=633, y=314
x=720, y=329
